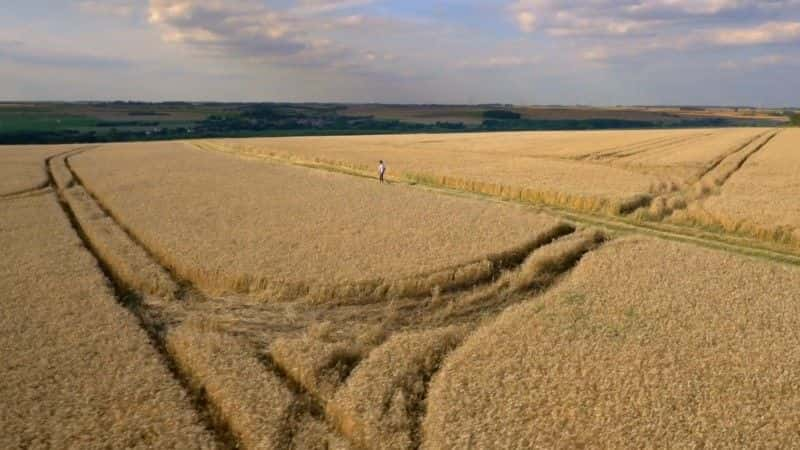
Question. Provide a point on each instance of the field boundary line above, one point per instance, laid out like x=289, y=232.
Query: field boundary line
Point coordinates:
x=621, y=225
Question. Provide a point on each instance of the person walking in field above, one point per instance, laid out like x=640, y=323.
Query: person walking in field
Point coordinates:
x=381, y=170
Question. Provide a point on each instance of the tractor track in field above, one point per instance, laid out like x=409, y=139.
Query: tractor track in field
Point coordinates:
x=44, y=186
x=25, y=192
x=727, y=155
x=749, y=155
x=131, y=301
x=708, y=183
x=616, y=156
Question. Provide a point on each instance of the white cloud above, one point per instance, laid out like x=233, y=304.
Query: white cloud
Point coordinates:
x=327, y=6
x=523, y=13
x=526, y=21
x=766, y=33
x=762, y=62
x=693, y=7
x=597, y=54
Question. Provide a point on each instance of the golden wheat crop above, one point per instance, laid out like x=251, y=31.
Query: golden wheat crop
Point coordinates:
x=130, y=264
x=610, y=171
x=647, y=343
x=690, y=192
x=383, y=400
x=77, y=370
x=466, y=166
x=762, y=197
x=283, y=232
x=316, y=364
x=685, y=157
x=254, y=403
x=22, y=168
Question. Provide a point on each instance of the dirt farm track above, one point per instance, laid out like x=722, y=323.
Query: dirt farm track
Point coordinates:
x=619, y=289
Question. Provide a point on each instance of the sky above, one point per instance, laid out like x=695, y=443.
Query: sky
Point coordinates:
x=591, y=52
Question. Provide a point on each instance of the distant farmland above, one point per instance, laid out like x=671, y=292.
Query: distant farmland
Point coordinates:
x=599, y=288
x=89, y=122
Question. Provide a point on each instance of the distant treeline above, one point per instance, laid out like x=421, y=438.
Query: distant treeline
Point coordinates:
x=595, y=124
x=311, y=119
x=126, y=123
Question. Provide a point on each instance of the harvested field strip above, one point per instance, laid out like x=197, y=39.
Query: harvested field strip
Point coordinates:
x=383, y=401
x=252, y=402
x=134, y=301
x=77, y=370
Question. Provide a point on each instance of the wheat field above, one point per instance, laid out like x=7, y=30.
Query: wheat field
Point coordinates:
x=761, y=198
x=77, y=370
x=271, y=294
x=628, y=354
x=274, y=231
x=22, y=167
x=606, y=171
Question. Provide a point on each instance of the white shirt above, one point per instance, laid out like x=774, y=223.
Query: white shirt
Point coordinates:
x=381, y=168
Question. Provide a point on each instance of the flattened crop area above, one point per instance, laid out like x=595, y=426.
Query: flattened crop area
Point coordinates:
x=280, y=232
